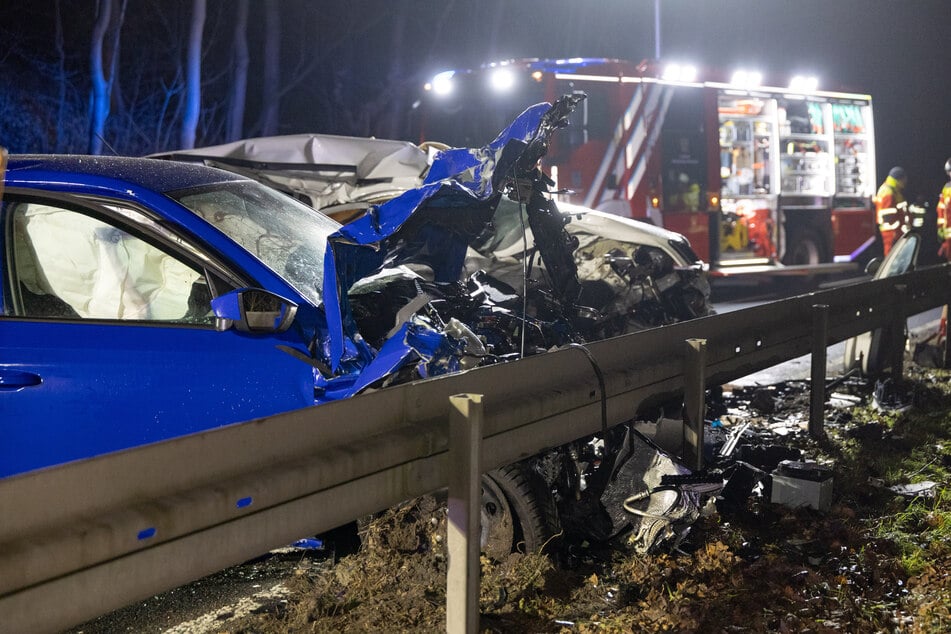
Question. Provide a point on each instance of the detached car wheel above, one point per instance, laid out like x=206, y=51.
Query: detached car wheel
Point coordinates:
x=518, y=512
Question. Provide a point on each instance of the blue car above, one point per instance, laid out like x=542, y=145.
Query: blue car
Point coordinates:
x=144, y=300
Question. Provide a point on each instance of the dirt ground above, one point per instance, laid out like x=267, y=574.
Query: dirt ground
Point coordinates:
x=876, y=561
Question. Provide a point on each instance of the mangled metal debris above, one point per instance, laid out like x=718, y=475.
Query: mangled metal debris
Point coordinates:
x=891, y=396
x=925, y=488
x=401, y=304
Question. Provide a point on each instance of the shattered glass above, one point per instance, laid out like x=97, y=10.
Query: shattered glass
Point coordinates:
x=284, y=234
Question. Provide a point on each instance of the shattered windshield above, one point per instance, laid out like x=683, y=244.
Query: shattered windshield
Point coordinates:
x=288, y=236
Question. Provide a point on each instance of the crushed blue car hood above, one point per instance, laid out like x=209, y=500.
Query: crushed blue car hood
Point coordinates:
x=431, y=224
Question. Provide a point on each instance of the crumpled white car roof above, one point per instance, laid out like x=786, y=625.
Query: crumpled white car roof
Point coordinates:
x=330, y=169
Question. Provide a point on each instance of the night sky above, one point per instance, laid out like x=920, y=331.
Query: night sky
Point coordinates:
x=895, y=50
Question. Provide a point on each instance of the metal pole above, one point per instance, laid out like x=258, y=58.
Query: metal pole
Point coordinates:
x=465, y=495
x=695, y=364
x=657, y=29
x=943, y=328
x=820, y=339
x=896, y=332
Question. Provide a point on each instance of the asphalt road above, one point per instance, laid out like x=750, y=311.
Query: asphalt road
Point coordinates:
x=739, y=297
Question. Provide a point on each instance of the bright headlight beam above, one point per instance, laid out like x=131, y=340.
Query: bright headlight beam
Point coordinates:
x=803, y=83
x=502, y=79
x=747, y=78
x=442, y=83
x=680, y=72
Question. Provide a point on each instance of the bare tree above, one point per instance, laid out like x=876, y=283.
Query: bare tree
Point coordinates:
x=99, y=102
x=104, y=52
x=60, y=78
x=193, y=75
x=239, y=84
x=272, y=68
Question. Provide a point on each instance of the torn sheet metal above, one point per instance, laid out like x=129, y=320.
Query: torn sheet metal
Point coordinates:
x=640, y=499
x=926, y=488
x=459, y=186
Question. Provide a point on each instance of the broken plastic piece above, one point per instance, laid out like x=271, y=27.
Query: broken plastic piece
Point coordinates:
x=918, y=489
x=741, y=483
x=768, y=457
x=888, y=396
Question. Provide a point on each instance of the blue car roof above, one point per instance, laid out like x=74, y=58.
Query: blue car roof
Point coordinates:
x=157, y=175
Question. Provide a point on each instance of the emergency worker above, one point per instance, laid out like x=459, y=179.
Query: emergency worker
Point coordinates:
x=891, y=208
x=944, y=234
x=944, y=215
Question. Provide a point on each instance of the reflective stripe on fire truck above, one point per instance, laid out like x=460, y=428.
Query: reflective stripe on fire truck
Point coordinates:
x=635, y=135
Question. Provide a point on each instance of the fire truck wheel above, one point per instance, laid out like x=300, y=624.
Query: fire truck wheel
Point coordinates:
x=523, y=517
x=805, y=247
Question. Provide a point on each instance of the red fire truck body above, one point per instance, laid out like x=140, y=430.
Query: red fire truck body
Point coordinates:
x=758, y=178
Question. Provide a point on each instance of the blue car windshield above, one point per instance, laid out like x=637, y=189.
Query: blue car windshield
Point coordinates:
x=286, y=235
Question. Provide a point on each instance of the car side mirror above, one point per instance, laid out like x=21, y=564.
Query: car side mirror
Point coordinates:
x=873, y=265
x=253, y=310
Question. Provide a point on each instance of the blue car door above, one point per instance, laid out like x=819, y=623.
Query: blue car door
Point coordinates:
x=107, y=341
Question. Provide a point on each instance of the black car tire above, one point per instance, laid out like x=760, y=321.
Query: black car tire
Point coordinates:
x=531, y=507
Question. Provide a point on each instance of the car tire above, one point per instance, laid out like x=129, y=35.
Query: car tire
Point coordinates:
x=531, y=512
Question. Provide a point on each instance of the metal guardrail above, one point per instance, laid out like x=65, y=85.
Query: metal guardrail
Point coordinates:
x=81, y=539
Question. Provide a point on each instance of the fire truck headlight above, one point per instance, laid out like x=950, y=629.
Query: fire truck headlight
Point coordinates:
x=680, y=72
x=502, y=79
x=747, y=78
x=802, y=83
x=442, y=83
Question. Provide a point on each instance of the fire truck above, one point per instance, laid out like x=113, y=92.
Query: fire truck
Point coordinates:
x=759, y=178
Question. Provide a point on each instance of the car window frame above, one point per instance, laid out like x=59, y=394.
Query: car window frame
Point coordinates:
x=900, y=250
x=128, y=216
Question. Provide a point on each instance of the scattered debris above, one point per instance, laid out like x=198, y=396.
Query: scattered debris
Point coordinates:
x=924, y=489
x=891, y=396
x=804, y=483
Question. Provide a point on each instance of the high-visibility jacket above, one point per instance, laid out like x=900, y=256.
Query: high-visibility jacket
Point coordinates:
x=944, y=221
x=890, y=207
x=944, y=212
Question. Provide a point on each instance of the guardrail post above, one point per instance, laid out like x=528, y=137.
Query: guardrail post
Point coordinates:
x=465, y=495
x=896, y=343
x=817, y=385
x=695, y=385
x=943, y=329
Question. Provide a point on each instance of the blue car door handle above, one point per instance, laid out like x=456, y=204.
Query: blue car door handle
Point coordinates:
x=16, y=379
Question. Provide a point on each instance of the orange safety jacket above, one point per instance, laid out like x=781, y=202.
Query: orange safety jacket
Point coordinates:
x=887, y=200
x=944, y=211
x=944, y=226
x=891, y=210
